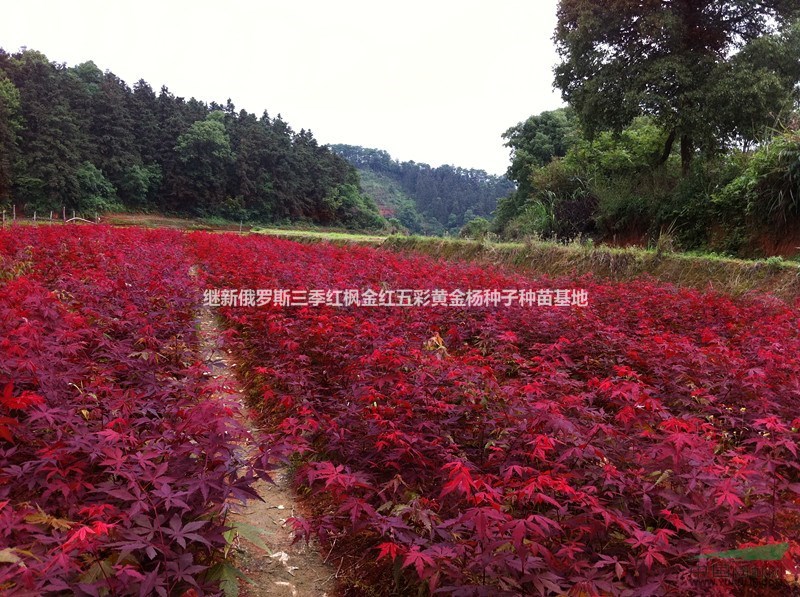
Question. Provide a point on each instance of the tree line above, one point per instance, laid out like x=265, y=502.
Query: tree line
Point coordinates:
x=682, y=119
x=81, y=138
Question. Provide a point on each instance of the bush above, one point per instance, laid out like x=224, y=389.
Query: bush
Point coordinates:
x=536, y=220
x=623, y=206
x=119, y=460
x=508, y=208
x=635, y=150
x=619, y=184
x=233, y=208
x=140, y=184
x=564, y=190
x=687, y=207
x=476, y=229
x=97, y=194
x=768, y=190
x=602, y=185
x=594, y=450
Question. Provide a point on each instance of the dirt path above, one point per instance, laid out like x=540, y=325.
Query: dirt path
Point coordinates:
x=286, y=569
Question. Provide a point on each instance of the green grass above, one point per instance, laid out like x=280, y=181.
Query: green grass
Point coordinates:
x=321, y=235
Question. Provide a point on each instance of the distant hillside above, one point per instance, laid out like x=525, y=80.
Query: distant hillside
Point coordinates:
x=441, y=199
x=394, y=203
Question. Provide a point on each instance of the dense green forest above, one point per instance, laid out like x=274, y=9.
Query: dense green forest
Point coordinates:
x=80, y=138
x=682, y=125
x=682, y=128
x=424, y=199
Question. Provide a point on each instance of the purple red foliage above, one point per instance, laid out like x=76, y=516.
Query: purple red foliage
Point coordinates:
x=537, y=451
x=115, y=466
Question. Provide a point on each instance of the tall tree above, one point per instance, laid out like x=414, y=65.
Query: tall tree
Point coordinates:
x=173, y=121
x=143, y=110
x=10, y=125
x=538, y=140
x=205, y=151
x=675, y=60
x=141, y=182
x=80, y=137
x=52, y=140
x=112, y=144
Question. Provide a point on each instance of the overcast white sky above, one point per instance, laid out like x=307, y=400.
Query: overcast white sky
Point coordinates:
x=434, y=81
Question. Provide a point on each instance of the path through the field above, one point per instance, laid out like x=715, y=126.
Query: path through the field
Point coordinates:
x=285, y=570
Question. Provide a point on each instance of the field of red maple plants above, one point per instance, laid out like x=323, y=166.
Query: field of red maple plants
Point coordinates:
x=524, y=450
x=115, y=467
x=467, y=450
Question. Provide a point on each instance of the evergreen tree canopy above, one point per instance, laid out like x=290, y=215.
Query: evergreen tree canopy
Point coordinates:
x=706, y=70
x=81, y=138
x=538, y=140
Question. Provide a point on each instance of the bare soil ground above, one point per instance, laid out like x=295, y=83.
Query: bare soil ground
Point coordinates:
x=288, y=569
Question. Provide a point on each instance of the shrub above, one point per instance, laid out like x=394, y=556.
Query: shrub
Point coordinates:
x=97, y=194
x=768, y=191
x=346, y=204
x=476, y=229
x=536, y=220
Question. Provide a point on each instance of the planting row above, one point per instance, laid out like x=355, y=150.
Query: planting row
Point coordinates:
x=510, y=449
x=115, y=464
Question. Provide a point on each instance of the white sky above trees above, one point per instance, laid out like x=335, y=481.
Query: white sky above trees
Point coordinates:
x=435, y=81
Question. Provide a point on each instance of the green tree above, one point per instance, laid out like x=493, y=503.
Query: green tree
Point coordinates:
x=346, y=204
x=140, y=184
x=437, y=193
x=143, y=110
x=80, y=137
x=97, y=194
x=251, y=142
x=684, y=62
x=538, y=140
x=768, y=190
x=750, y=90
x=10, y=125
x=205, y=152
x=611, y=175
x=111, y=132
x=52, y=140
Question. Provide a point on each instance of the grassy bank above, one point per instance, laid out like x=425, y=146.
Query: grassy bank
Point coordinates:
x=731, y=276
x=322, y=235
